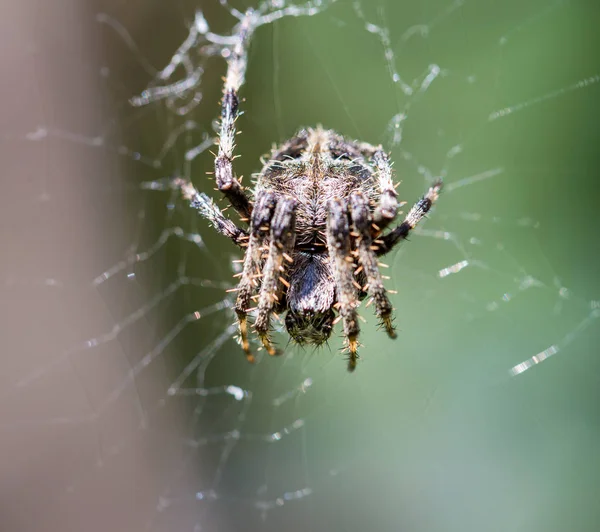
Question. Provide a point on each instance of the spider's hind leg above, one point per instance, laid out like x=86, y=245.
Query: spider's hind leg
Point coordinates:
x=280, y=248
x=417, y=212
x=339, y=246
x=361, y=220
x=259, y=227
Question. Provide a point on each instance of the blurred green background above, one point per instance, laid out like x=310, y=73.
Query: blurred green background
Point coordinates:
x=432, y=432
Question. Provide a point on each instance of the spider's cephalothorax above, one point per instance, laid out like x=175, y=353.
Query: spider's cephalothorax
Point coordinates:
x=317, y=219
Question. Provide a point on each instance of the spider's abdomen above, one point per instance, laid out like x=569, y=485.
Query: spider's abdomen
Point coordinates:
x=310, y=298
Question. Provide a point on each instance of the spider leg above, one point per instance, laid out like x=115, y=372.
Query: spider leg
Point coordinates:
x=386, y=210
x=281, y=245
x=236, y=70
x=361, y=219
x=414, y=216
x=339, y=247
x=259, y=228
x=206, y=208
x=387, y=207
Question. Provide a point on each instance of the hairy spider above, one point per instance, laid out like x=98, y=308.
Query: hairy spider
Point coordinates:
x=317, y=217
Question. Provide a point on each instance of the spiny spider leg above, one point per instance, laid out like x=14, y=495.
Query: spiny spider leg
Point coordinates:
x=338, y=245
x=236, y=70
x=281, y=245
x=259, y=229
x=361, y=219
x=386, y=209
x=414, y=216
x=206, y=208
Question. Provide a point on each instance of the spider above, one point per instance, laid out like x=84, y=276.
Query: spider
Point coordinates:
x=317, y=217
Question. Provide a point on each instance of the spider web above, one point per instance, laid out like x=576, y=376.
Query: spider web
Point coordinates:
x=127, y=403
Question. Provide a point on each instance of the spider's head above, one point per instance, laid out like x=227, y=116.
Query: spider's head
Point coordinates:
x=309, y=327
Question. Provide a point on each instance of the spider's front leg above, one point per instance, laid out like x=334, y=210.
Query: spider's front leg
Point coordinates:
x=280, y=248
x=259, y=229
x=361, y=220
x=339, y=247
x=236, y=69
